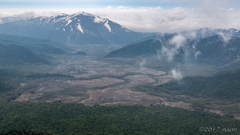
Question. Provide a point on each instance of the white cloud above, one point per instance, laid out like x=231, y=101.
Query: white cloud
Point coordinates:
x=171, y=49
x=176, y=74
x=197, y=54
x=142, y=64
x=147, y=19
x=178, y=40
x=226, y=37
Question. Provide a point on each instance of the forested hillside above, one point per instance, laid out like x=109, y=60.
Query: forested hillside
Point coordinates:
x=148, y=47
x=224, y=86
x=36, y=45
x=212, y=50
x=15, y=55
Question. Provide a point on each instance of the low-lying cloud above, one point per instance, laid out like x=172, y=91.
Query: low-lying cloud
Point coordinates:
x=196, y=54
x=171, y=48
x=176, y=74
x=226, y=37
x=178, y=41
x=142, y=64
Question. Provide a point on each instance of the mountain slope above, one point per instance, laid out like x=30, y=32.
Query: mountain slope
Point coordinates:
x=212, y=50
x=34, y=44
x=14, y=55
x=80, y=28
x=215, y=50
x=148, y=47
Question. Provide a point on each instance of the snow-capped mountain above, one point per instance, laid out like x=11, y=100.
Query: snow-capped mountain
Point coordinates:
x=82, y=28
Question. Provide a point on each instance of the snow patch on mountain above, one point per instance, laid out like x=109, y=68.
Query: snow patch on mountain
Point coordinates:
x=79, y=27
x=69, y=21
x=48, y=20
x=99, y=20
x=107, y=26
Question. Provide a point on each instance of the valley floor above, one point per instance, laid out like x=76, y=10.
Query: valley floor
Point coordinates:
x=112, y=81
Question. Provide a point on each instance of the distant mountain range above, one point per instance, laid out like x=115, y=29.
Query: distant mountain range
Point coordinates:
x=214, y=50
x=82, y=28
x=85, y=28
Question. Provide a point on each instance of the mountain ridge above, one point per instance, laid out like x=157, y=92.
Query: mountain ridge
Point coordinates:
x=213, y=50
x=17, y=55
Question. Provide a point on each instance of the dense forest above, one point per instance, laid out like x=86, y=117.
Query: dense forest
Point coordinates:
x=61, y=118
x=24, y=132
x=8, y=79
x=223, y=86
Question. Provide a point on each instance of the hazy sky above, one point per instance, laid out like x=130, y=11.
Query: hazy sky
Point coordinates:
x=93, y=3
x=137, y=15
